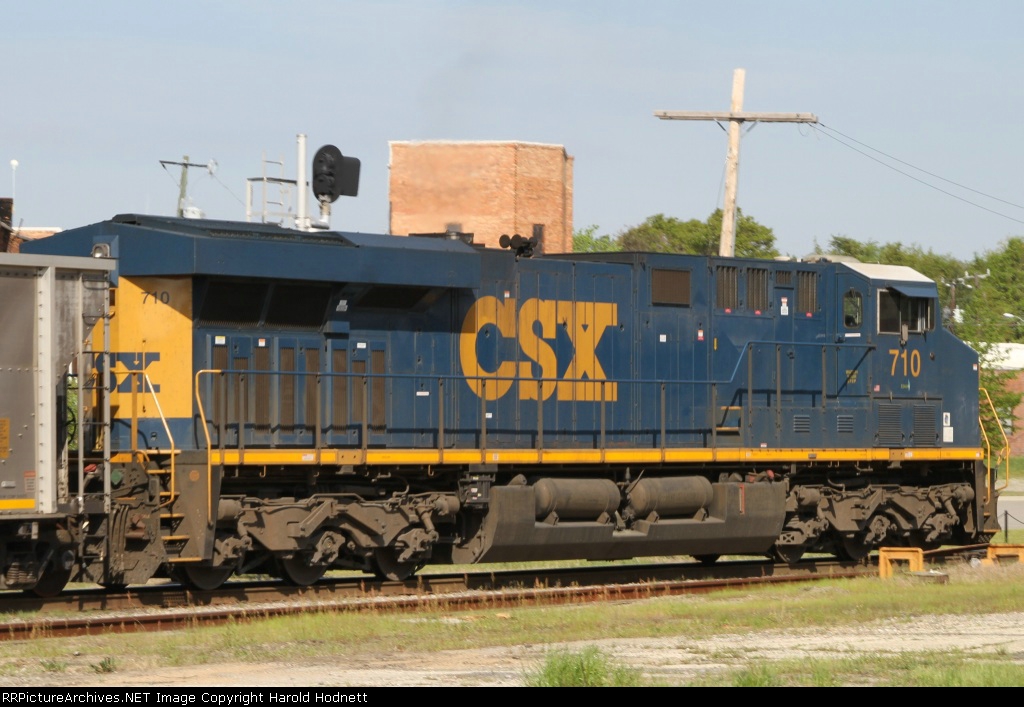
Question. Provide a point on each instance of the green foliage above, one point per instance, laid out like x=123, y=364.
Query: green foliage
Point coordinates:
x=992, y=285
x=756, y=676
x=107, y=665
x=587, y=668
x=586, y=240
x=882, y=669
x=666, y=234
x=53, y=665
x=944, y=269
x=1002, y=287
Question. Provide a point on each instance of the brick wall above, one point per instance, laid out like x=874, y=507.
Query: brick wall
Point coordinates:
x=1016, y=385
x=484, y=188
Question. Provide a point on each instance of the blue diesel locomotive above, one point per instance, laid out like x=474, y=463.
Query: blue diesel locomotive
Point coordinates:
x=248, y=398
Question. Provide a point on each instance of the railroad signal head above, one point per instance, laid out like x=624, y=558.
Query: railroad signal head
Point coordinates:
x=334, y=174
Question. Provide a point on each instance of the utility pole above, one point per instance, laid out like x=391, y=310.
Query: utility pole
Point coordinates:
x=183, y=181
x=735, y=116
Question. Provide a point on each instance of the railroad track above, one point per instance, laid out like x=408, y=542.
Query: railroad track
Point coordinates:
x=159, y=607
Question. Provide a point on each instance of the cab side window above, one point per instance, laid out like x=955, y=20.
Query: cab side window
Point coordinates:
x=853, y=310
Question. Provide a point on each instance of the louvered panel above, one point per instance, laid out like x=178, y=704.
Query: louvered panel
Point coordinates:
x=377, y=391
x=359, y=369
x=339, y=390
x=239, y=405
x=287, y=389
x=844, y=424
x=890, y=432
x=261, y=382
x=926, y=426
x=309, y=382
x=801, y=424
x=220, y=362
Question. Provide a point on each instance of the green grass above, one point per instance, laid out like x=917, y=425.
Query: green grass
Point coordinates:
x=1016, y=469
x=587, y=668
x=339, y=638
x=926, y=669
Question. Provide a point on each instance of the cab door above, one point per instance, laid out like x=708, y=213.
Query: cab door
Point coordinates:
x=853, y=328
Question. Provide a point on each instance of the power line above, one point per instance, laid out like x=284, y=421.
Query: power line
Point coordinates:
x=924, y=171
x=227, y=189
x=921, y=181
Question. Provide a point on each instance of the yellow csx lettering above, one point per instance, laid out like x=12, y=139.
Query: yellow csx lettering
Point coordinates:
x=534, y=325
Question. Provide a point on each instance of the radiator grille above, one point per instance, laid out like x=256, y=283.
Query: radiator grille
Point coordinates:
x=359, y=383
x=309, y=382
x=727, y=293
x=339, y=391
x=757, y=289
x=844, y=424
x=261, y=382
x=925, y=426
x=220, y=362
x=287, y=356
x=890, y=433
x=240, y=404
x=377, y=391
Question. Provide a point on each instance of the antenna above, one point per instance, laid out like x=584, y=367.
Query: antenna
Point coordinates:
x=210, y=167
x=14, y=169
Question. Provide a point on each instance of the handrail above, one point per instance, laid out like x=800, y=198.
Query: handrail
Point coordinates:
x=209, y=449
x=1004, y=452
x=599, y=387
x=170, y=438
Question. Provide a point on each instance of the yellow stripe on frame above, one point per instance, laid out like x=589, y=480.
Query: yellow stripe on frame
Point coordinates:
x=677, y=455
x=17, y=504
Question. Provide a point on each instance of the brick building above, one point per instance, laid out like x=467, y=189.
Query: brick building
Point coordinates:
x=12, y=237
x=484, y=188
x=1010, y=357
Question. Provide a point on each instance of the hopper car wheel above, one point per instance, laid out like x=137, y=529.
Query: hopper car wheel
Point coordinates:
x=387, y=566
x=294, y=570
x=707, y=560
x=52, y=582
x=205, y=579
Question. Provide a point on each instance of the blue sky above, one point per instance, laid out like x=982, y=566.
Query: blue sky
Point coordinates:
x=96, y=94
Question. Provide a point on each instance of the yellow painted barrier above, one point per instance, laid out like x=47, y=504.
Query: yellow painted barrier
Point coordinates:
x=887, y=555
x=996, y=554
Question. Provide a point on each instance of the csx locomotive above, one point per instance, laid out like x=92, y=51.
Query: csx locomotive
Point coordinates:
x=194, y=399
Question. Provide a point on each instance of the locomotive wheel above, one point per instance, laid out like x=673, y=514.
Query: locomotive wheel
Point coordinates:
x=52, y=582
x=852, y=549
x=790, y=554
x=386, y=565
x=205, y=578
x=295, y=571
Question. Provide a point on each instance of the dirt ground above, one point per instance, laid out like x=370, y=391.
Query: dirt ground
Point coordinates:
x=667, y=660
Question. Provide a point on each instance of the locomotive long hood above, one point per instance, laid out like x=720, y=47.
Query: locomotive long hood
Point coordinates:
x=154, y=246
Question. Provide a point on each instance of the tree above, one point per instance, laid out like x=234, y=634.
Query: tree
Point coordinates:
x=585, y=240
x=666, y=234
x=944, y=269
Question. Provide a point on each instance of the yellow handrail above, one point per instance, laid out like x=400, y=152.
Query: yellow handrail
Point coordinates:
x=170, y=438
x=1003, y=453
x=209, y=449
